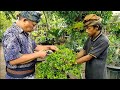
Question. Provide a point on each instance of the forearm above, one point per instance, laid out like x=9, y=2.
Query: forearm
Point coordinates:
x=81, y=53
x=25, y=58
x=84, y=59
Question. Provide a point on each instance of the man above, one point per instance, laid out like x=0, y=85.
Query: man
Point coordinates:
x=20, y=51
x=94, y=52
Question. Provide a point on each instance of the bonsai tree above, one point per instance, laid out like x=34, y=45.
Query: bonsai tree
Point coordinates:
x=113, y=28
x=59, y=65
x=113, y=61
x=113, y=58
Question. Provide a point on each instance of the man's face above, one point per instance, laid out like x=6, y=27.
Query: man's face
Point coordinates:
x=91, y=31
x=29, y=25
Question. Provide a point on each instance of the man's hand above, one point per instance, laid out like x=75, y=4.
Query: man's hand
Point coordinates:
x=53, y=48
x=42, y=54
x=46, y=47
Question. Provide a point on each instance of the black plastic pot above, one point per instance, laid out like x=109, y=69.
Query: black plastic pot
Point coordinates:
x=113, y=72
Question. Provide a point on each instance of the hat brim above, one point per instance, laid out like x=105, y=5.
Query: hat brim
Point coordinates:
x=91, y=23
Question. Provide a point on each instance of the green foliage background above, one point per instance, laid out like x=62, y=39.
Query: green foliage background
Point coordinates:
x=4, y=23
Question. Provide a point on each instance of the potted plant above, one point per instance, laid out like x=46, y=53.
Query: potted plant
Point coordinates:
x=59, y=65
x=113, y=61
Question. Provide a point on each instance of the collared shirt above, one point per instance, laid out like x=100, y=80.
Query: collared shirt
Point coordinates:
x=96, y=47
x=16, y=42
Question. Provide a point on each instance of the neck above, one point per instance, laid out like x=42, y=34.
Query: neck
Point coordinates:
x=19, y=24
x=96, y=34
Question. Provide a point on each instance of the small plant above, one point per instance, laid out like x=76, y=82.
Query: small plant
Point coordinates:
x=59, y=65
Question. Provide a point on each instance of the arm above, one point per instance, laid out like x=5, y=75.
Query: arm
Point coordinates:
x=94, y=52
x=27, y=58
x=81, y=53
x=84, y=59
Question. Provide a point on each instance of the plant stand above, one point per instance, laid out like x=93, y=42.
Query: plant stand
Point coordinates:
x=113, y=72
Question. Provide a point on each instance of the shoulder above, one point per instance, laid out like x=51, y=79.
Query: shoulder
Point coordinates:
x=11, y=32
x=104, y=39
x=9, y=36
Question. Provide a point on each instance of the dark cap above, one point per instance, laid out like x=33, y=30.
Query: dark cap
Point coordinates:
x=31, y=15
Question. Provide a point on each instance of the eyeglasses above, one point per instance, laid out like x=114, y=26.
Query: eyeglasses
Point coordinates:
x=32, y=22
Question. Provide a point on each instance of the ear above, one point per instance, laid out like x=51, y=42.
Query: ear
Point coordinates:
x=24, y=19
x=97, y=27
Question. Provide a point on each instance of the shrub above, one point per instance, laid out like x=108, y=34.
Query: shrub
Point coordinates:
x=59, y=65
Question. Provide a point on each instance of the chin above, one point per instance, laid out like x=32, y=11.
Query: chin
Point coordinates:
x=30, y=30
x=89, y=35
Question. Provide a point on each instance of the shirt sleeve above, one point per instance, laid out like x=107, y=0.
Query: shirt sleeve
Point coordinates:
x=96, y=50
x=11, y=47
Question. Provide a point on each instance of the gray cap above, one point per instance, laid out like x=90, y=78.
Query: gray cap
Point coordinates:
x=31, y=15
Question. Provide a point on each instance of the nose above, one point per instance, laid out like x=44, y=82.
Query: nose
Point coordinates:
x=34, y=27
x=86, y=30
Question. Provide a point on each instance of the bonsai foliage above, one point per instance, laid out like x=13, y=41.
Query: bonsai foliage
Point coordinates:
x=59, y=65
x=114, y=39
x=114, y=51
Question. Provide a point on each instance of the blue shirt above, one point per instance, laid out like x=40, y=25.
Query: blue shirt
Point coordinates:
x=16, y=42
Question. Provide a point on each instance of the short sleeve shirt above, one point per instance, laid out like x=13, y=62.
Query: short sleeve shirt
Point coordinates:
x=16, y=42
x=97, y=48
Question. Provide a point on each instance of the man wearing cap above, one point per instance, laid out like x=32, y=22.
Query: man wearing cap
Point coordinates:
x=20, y=51
x=94, y=51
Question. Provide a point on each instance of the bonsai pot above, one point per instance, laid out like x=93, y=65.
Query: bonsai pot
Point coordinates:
x=113, y=72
